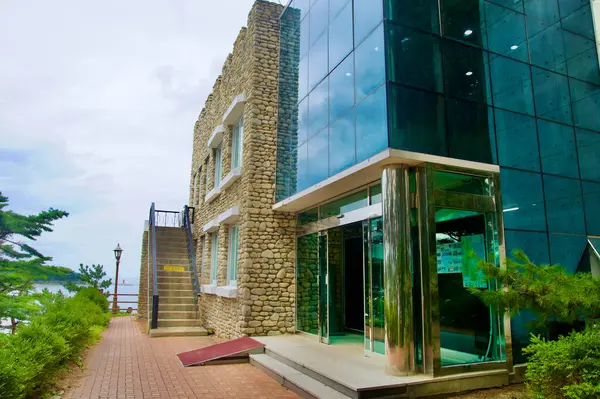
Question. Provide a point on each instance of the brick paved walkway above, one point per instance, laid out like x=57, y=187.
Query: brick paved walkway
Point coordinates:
x=129, y=364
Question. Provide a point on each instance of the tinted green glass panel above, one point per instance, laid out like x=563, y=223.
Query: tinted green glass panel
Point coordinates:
x=534, y=244
x=422, y=14
x=342, y=143
x=341, y=88
x=540, y=15
x=417, y=121
x=564, y=205
x=464, y=20
x=515, y=5
x=580, y=22
x=548, y=50
x=470, y=131
x=581, y=58
x=566, y=250
x=586, y=103
x=318, y=108
x=557, y=148
x=377, y=286
x=370, y=64
x=517, y=141
x=466, y=72
x=551, y=94
x=349, y=203
x=367, y=14
x=511, y=83
x=317, y=62
x=522, y=200
x=371, y=125
x=568, y=7
x=318, y=158
x=307, y=284
x=414, y=58
x=591, y=200
x=312, y=215
x=340, y=35
x=506, y=32
x=588, y=147
x=460, y=183
x=375, y=194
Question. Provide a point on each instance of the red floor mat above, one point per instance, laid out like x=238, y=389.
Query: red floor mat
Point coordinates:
x=218, y=351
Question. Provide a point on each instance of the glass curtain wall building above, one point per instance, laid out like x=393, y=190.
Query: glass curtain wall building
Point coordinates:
x=513, y=83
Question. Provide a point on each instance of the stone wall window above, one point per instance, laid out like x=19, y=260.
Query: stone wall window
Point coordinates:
x=214, y=257
x=206, y=175
x=195, y=188
x=232, y=256
x=218, y=166
x=237, y=137
x=202, y=253
x=199, y=187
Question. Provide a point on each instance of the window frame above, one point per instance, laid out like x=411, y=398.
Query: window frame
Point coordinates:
x=214, y=258
x=237, y=140
x=233, y=255
x=218, y=161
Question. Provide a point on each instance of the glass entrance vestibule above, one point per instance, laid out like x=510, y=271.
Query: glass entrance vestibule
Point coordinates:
x=390, y=267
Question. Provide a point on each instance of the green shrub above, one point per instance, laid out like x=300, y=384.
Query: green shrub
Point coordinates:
x=31, y=359
x=566, y=368
x=94, y=295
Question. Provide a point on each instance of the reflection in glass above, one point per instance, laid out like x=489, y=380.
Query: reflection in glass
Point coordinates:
x=319, y=17
x=318, y=108
x=579, y=22
x=318, y=158
x=511, y=83
x=522, y=200
x=301, y=171
x=340, y=34
x=470, y=131
x=552, y=99
x=588, y=148
x=464, y=20
x=303, y=121
x=309, y=216
x=367, y=14
x=586, y=103
x=341, y=88
x=370, y=64
x=567, y=250
x=466, y=72
x=557, y=148
x=323, y=290
x=533, y=243
x=564, y=205
x=517, y=141
x=591, y=199
x=374, y=288
x=317, y=61
x=375, y=194
x=506, y=32
x=371, y=125
x=307, y=283
x=540, y=14
x=346, y=204
x=547, y=49
x=582, y=61
x=422, y=14
x=342, y=143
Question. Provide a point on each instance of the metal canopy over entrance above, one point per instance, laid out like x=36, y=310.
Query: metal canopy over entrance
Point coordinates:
x=403, y=265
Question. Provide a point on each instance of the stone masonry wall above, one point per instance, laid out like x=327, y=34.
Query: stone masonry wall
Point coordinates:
x=265, y=300
x=143, y=289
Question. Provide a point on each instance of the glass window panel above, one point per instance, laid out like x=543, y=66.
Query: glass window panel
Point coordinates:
x=567, y=7
x=232, y=257
x=342, y=143
x=422, y=14
x=517, y=141
x=367, y=14
x=567, y=250
x=302, y=6
x=534, y=244
x=511, y=83
x=340, y=35
x=303, y=121
x=335, y=6
x=317, y=62
x=591, y=199
x=304, y=37
x=541, y=14
x=371, y=125
x=506, y=32
x=375, y=194
x=301, y=170
x=463, y=20
x=417, y=121
x=414, y=58
x=466, y=72
x=319, y=17
x=547, y=49
x=582, y=58
x=557, y=148
x=214, y=258
x=522, y=200
x=303, y=77
x=586, y=103
x=564, y=205
x=370, y=64
x=218, y=166
x=236, y=143
x=588, y=148
x=580, y=22
x=341, y=88
x=349, y=203
x=307, y=284
x=309, y=216
x=318, y=108
x=318, y=158
x=516, y=5
x=551, y=94
x=470, y=131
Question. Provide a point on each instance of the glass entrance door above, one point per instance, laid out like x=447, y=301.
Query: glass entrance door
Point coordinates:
x=323, y=289
x=373, y=277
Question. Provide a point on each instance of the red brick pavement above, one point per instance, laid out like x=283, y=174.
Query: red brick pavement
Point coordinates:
x=129, y=364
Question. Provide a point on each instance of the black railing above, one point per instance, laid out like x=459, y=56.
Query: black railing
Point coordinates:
x=152, y=238
x=187, y=225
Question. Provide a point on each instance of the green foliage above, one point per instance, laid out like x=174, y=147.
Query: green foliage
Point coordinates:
x=94, y=295
x=32, y=357
x=90, y=276
x=566, y=368
x=548, y=290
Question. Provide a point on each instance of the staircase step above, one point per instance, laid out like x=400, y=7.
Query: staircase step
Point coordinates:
x=185, y=299
x=177, y=278
x=177, y=332
x=165, y=293
x=178, y=322
x=293, y=379
x=176, y=314
x=182, y=285
x=176, y=307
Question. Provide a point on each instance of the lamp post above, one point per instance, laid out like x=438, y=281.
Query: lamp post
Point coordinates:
x=117, y=252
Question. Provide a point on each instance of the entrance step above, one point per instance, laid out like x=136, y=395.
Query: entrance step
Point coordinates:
x=178, y=322
x=184, y=299
x=177, y=332
x=176, y=307
x=294, y=380
x=175, y=314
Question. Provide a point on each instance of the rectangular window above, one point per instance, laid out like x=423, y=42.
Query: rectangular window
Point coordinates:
x=195, y=179
x=214, y=254
x=218, y=165
x=236, y=144
x=199, y=188
x=202, y=254
x=232, y=256
x=206, y=176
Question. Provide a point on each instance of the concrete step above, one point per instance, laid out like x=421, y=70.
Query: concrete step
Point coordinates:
x=177, y=332
x=180, y=315
x=184, y=299
x=172, y=273
x=178, y=322
x=163, y=293
x=182, y=259
x=177, y=307
x=181, y=285
x=293, y=379
x=182, y=255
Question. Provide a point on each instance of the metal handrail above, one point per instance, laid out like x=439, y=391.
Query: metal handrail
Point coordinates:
x=152, y=222
x=187, y=225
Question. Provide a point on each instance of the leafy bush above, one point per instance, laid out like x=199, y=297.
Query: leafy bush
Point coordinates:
x=566, y=368
x=94, y=295
x=32, y=357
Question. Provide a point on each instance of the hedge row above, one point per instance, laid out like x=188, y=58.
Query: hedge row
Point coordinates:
x=31, y=359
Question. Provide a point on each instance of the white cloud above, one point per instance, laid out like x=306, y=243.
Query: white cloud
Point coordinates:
x=97, y=107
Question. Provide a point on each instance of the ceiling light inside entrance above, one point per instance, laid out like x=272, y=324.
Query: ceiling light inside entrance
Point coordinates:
x=468, y=32
x=469, y=73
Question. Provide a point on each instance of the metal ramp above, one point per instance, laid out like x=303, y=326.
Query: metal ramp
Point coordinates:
x=234, y=351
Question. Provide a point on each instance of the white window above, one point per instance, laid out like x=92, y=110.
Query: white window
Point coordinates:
x=214, y=256
x=237, y=138
x=218, y=165
x=232, y=256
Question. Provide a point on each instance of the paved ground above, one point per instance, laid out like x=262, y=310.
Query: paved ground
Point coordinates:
x=129, y=364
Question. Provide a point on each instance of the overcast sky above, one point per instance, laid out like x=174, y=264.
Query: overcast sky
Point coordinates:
x=97, y=106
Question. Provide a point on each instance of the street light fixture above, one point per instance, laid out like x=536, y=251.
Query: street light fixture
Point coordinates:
x=118, y=251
